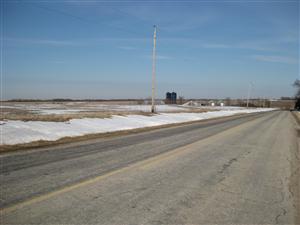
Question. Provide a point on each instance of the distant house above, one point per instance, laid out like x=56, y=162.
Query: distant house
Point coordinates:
x=211, y=103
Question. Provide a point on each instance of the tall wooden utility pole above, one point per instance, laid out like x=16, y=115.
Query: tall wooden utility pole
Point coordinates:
x=153, y=70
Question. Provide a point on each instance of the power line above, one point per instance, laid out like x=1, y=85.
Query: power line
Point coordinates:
x=83, y=19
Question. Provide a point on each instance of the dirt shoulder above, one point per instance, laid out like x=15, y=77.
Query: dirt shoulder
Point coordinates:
x=294, y=186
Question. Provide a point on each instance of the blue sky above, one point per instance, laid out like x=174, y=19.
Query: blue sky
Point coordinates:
x=102, y=49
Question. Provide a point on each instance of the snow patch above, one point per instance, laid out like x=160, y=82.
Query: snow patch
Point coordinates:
x=17, y=132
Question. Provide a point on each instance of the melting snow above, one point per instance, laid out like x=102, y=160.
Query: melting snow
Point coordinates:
x=17, y=132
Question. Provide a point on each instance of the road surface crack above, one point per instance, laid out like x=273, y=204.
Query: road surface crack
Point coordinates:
x=282, y=213
x=226, y=165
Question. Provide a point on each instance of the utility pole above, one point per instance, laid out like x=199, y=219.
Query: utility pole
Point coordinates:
x=249, y=93
x=153, y=70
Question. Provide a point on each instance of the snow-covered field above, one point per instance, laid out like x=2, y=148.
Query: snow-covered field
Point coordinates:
x=223, y=108
x=18, y=132
x=77, y=107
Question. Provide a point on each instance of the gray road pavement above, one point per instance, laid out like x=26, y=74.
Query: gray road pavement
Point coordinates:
x=242, y=171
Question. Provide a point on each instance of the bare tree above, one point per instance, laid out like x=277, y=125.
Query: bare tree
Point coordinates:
x=297, y=86
x=140, y=101
x=297, y=96
x=180, y=100
x=228, y=101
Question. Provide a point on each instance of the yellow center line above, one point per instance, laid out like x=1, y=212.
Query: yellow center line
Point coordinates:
x=137, y=165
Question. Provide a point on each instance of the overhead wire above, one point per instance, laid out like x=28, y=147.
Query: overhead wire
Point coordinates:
x=85, y=20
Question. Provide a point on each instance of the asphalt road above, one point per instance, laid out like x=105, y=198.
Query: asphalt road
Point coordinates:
x=241, y=170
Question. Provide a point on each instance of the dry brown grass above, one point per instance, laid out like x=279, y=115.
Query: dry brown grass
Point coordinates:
x=15, y=114
x=27, y=115
x=199, y=110
x=296, y=115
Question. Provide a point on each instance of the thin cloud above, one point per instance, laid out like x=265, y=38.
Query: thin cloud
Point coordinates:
x=168, y=20
x=243, y=45
x=74, y=43
x=57, y=62
x=43, y=42
x=55, y=42
x=276, y=59
x=208, y=45
x=127, y=48
x=160, y=57
x=265, y=44
x=163, y=57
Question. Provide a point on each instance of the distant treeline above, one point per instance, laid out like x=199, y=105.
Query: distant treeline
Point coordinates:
x=67, y=100
x=141, y=99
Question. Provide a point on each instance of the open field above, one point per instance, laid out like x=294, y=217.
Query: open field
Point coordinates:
x=64, y=111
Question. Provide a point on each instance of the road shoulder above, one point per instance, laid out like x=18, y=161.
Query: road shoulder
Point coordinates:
x=294, y=186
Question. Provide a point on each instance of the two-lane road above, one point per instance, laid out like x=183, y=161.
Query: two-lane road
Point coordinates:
x=241, y=170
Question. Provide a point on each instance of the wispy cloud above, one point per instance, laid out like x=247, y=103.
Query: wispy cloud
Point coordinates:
x=160, y=57
x=77, y=42
x=163, y=57
x=127, y=48
x=271, y=45
x=275, y=59
x=167, y=17
x=258, y=45
x=58, y=61
x=211, y=45
x=49, y=42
